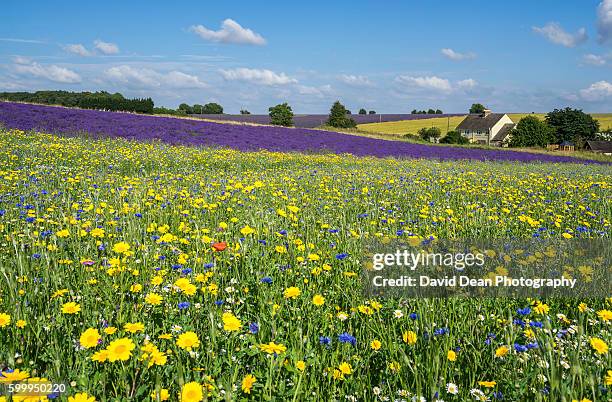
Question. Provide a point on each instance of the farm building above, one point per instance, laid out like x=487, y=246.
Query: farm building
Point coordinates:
x=486, y=128
x=602, y=147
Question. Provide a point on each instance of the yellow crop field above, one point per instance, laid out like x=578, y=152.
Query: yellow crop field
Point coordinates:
x=450, y=123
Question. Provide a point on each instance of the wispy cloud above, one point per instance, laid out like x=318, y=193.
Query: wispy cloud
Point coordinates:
x=19, y=40
x=135, y=77
x=604, y=21
x=77, y=49
x=557, y=35
x=431, y=82
x=106, y=47
x=456, y=56
x=50, y=72
x=594, y=60
x=257, y=76
x=355, y=80
x=597, y=91
x=230, y=32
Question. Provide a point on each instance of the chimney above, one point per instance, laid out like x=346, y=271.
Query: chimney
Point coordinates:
x=485, y=113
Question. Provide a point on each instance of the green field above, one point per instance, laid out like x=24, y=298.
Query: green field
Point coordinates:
x=447, y=124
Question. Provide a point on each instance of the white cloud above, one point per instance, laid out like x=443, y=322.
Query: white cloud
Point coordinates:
x=147, y=78
x=230, y=32
x=555, y=33
x=604, y=21
x=468, y=83
x=106, y=47
x=257, y=76
x=452, y=55
x=77, y=49
x=597, y=91
x=356, y=80
x=433, y=82
x=319, y=91
x=594, y=60
x=50, y=72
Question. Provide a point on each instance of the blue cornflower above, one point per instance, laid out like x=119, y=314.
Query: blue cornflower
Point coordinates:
x=254, y=327
x=345, y=337
x=266, y=279
x=413, y=316
x=325, y=340
x=441, y=331
x=219, y=302
x=341, y=256
x=520, y=348
x=186, y=271
x=36, y=255
x=183, y=305
x=523, y=311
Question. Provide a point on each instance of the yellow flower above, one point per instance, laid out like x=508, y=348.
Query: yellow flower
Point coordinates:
x=272, y=348
x=582, y=307
x=164, y=395
x=63, y=233
x=451, y=356
x=599, y=345
x=97, y=232
x=81, y=397
x=100, y=356
x=318, y=300
x=247, y=383
x=71, y=308
x=21, y=323
x=14, y=376
x=120, y=349
x=541, y=308
x=188, y=341
x=247, y=230
x=502, y=351
x=110, y=330
x=409, y=337
x=121, y=247
x=5, y=320
x=300, y=365
x=292, y=292
x=375, y=344
x=231, y=322
x=133, y=327
x=345, y=368
x=154, y=299
x=487, y=384
x=89, y=338
x=608, y=378
x=567, y=235
x=191, y=392
x=605, y=315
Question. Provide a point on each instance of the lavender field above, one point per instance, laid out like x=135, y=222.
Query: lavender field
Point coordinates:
x=176, y=131
x=316, y=120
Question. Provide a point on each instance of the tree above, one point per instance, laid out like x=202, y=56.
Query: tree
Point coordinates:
x=244, y=111
x=431, y=111
x=438, y=111
x=281, y=115
x=426, y=133
x=372, y=112
x=212, y=108
x=348, y=111
x=531, y=132
x=477, y=108
x=185, y=108
x=414, y=111
x=454, y=137
x=572, y=125
x=338, y=118
x=362, y=111
x=197, y=109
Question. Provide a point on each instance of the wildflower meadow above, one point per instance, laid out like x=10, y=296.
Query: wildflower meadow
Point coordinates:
x=143, y=271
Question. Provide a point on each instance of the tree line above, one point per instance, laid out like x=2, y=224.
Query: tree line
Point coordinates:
x=85, y=100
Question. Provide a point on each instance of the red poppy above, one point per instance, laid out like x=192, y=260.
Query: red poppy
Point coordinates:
x=220, y=246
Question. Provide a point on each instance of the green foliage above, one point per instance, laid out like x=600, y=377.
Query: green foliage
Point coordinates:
x=163, y=110
x=438, y=111
x=86, y=100
x=244, y=111
x=428, y=111
x=426, y=133
x=372, y=112
x=531, y=132
x=454, y=137
x=281, y=115
x=212, y=108
x=362, y=111
x=338, y=118
x=572, y=125
x=185, y=108
x=477, y=108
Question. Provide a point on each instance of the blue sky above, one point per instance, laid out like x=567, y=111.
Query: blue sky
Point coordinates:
x=521, y=56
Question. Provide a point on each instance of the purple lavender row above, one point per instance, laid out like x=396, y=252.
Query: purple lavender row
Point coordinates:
x=178, y=131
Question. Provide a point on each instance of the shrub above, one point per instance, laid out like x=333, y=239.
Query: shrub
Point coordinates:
x=426, y=133
x=454, y=137
x=338, y=118
x=281, y=115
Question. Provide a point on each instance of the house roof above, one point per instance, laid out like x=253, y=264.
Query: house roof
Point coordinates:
x=478, y=122
x=503, y=132
x=600, y=146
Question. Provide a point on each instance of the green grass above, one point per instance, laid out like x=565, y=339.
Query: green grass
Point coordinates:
x=71, y=206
